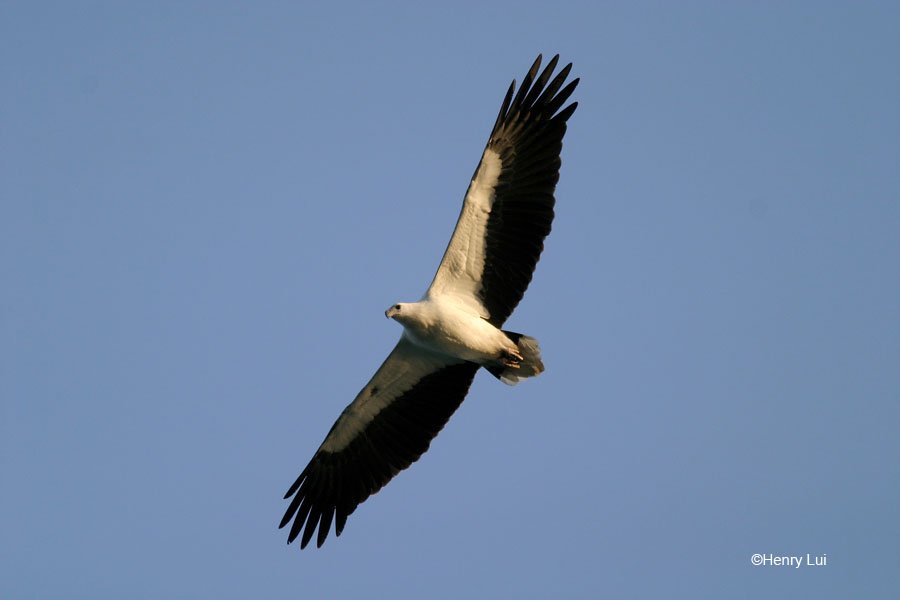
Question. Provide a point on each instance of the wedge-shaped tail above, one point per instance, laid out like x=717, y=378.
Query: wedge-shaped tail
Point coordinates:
x=530, y=366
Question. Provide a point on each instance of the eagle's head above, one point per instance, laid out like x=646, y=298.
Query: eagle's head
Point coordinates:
x=394, y=311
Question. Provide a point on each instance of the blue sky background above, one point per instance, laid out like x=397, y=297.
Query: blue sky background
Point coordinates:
x=206, y=207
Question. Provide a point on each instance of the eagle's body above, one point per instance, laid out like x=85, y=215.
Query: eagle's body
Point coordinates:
x=444, y=327
x=456, y=328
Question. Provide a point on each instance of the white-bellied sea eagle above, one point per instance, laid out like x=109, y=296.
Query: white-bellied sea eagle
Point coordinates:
x=455, y=328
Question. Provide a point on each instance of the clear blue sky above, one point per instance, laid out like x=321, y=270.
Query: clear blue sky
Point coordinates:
x=205, y=209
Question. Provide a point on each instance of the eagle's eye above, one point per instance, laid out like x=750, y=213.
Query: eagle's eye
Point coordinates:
x=396, y=307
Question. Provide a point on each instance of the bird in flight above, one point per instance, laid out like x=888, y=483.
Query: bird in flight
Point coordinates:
x=456, y=327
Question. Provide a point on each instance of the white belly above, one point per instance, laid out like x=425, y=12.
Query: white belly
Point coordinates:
x=447, y=329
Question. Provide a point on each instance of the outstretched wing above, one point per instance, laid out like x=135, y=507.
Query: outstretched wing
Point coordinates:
x=508, y=207
x=385, y=429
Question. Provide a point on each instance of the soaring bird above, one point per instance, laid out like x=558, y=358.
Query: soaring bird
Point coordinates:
x=456, y=327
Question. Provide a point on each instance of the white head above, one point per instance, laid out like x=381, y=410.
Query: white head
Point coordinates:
x=394, y=311
x=402, y=312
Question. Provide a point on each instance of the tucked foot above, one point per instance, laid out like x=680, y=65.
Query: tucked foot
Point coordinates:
x=511, y=358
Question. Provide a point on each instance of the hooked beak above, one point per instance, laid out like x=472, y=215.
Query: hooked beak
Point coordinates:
x=391, y=312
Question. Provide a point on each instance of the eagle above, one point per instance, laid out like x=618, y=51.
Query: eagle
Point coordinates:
x=455, y=328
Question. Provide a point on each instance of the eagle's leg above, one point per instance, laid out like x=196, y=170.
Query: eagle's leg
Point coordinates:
x=511, y=358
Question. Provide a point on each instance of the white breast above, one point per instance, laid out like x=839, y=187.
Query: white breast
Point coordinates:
x=449, y=329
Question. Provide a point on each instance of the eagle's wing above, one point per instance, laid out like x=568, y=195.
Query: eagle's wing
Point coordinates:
x=508, y=207
x=384, y=430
